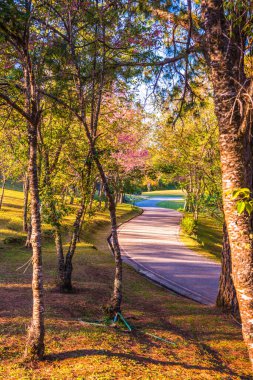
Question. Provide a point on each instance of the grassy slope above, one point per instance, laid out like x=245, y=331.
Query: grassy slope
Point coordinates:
x=207, y=344
x=209, y=237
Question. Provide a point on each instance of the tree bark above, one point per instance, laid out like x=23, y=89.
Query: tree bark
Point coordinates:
x=60, y=257
x=28, y=243
x=89, y=205
x=227, y=295
x=2, y=193
x=226, y=57
x=101, y=191
x=115, y=302
x=26, y=195
x=68, y=267
x=35, y=340
x=121, y=197
x=19, y=38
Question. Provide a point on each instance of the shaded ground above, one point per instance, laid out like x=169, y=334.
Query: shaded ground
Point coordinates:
x=206, y=343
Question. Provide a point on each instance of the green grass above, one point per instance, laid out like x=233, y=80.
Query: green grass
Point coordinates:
x=175, y=205
x=165, y=193
x=208, y=240
x=206, y=344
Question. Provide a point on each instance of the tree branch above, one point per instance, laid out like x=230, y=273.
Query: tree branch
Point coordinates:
x=15, y=106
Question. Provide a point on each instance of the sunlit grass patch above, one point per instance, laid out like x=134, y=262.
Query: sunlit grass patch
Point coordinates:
x=171, y=193
x=174, y=205
x=208, y=239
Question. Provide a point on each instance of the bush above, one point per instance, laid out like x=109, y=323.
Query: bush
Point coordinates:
x=189, y=225
x=14, y=240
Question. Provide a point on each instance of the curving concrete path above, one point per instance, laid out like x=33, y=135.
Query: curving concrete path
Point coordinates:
x=150, y=243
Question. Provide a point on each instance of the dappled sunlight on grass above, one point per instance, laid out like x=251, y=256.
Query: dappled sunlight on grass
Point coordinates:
x=202, y=343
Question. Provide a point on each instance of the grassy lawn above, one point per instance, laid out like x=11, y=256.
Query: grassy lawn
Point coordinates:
x=175, y=205
x=165, y=193
x=202, y=342
x=208, y=240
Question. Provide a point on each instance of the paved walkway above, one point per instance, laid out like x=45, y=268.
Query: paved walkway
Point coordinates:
x=150, y=243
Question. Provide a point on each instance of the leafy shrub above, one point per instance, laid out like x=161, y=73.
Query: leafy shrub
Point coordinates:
x=244, y=200
x=48, y=233
x=14, y=240
x=189, y=225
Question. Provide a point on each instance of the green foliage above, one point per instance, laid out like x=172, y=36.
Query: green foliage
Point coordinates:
x=244, y=200
x=14, y=240
x=190, y=151
x=189, y=225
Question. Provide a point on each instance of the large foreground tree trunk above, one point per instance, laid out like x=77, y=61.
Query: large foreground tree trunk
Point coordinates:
x=227, y=295
x=226, y=49
x=35, y=340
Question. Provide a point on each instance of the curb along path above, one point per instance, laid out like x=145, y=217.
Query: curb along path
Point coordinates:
x=150, y=243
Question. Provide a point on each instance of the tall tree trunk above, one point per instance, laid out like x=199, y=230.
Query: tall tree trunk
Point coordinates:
x=60, y=257
x=115, y=303
x=28, y=243
x=225, y=55
x=92, y=194
x=26, y=195
x=68, y=268
x=101, y=191
x=121, y=197
x=35, y=340
x=227, y=295
x=88, y=206
x=2, y=192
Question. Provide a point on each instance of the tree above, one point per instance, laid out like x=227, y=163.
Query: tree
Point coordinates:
x=88, y=31
x=228, y=28
x=124, y=141
x=18, y=37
